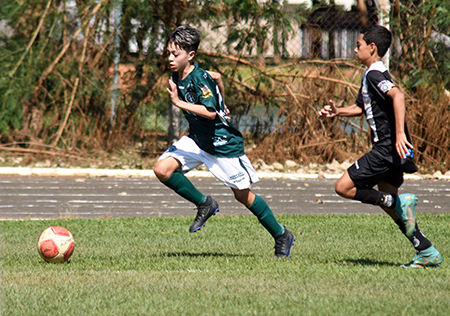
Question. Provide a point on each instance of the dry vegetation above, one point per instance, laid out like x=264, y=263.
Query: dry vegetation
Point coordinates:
x=57, y=79
x=299, y=89
x=296, y=91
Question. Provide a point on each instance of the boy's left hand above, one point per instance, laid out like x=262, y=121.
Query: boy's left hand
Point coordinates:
x=402, y=145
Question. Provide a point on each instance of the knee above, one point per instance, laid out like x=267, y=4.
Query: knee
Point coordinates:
x=338, y=189
x=345, y=187
x=161, y=172
x=342, y=190
x=239, y=197
x=243, y=197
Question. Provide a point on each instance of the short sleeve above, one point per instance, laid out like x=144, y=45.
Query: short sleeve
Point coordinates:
x=381, y=80
x=205, y=93
x=359, y=100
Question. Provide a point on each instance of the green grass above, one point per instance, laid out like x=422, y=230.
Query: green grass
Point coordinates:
x=340, y=265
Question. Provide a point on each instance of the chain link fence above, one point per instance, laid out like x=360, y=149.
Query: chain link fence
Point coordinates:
x=313, y=63
x=326, y=32
x=280, y=63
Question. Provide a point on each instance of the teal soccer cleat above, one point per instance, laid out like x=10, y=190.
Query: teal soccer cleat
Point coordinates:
x=429, y=257
x=405, y=210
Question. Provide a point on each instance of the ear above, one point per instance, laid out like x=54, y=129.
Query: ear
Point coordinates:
x=373, y=48
x=191, y=55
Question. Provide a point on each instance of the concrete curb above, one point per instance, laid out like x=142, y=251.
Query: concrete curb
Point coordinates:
x=91, y=172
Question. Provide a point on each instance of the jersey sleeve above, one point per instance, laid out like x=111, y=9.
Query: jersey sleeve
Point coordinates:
x=381, y=81
x=205, y=91
x=359, y=100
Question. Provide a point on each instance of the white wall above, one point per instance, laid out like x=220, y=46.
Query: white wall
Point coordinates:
x=347, y=4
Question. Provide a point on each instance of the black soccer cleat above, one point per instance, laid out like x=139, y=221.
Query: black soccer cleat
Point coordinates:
x=205, y=211
x=283, y=244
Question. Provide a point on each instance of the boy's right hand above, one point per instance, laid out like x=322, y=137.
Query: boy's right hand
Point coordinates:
x=173, y=92
x=227, y=112
x=329, y=110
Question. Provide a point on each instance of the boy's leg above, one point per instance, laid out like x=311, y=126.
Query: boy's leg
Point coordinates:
x=417, y=238
x=370, y=170
x=239, y=174
x=166, y=171
x=283, y=237
x=426, y=254
x=387, y=199
x=260, y=209
x=346, y=188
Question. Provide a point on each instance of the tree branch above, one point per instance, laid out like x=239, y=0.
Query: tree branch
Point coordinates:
x=41, y=22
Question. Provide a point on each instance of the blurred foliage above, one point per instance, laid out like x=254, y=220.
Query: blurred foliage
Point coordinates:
x=56, y=69
x=421, y=60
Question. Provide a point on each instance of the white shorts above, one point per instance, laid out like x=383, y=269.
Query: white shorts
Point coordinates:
x=237, y=172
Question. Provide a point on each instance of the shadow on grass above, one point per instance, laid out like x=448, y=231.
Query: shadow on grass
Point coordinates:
x=368, y=262
x=204, y=254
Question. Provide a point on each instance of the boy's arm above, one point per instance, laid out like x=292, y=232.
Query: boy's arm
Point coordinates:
x=401, y=142
x=331, y=110
x=193, y=108
x=218, y=79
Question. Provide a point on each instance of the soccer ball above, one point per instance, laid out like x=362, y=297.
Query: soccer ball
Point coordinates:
x=56, y=244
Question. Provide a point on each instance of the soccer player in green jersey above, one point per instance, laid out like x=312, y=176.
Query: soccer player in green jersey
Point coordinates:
x=212, y=141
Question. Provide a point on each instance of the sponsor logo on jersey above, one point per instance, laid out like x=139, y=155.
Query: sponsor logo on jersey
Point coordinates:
x=219, y=141
x=191, y=97
x=206, y=92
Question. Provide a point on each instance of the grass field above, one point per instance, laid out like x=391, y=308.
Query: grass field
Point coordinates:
x=340, y=265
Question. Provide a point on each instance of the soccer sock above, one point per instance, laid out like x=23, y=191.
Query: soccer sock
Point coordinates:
x=265, y=216
x=183, y=187
x=374, y=197
x=418, y=239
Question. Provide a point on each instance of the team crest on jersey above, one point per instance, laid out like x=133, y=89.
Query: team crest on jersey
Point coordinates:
x=385, y=86
x=206, y=92
x=191, y=97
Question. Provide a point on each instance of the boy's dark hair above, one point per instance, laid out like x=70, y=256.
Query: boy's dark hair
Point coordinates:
x=380, y=36
x=185, y=37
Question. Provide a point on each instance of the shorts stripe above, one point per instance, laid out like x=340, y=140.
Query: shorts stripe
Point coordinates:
x=243, y=166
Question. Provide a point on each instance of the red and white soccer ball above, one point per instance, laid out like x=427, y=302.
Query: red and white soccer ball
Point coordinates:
x=56, y=244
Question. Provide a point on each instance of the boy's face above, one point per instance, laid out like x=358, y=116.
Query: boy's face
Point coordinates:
x=363, y=51
x=179, y=59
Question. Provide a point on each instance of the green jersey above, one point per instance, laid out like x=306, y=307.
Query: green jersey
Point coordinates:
x=217, y=137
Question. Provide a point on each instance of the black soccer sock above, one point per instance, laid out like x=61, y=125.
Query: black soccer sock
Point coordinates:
x=374, y=197
x=418, y=239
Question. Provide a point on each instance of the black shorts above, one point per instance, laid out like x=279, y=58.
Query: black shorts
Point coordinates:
x=370, y=169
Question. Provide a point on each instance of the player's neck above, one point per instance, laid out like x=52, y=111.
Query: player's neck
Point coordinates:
x=183, y=73
x=372, y=61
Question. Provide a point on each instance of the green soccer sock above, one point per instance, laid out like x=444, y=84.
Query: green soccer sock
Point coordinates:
x=265, y=216
x=183, y=187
